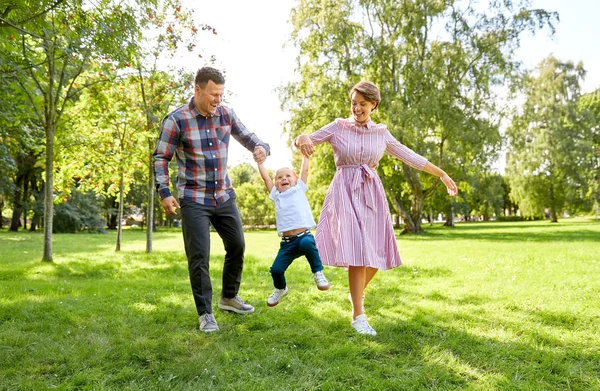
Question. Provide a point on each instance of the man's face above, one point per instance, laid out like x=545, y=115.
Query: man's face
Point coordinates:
x=207, y=99
x=285, y=179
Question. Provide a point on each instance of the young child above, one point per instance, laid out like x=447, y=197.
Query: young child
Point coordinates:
x=294, y=222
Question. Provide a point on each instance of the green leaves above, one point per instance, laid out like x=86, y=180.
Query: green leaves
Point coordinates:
x=548, y=142
x=438, y=65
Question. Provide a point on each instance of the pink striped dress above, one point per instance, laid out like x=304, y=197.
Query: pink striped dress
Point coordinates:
x=355, y=225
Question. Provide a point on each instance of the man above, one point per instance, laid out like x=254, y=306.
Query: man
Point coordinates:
x=198, y=134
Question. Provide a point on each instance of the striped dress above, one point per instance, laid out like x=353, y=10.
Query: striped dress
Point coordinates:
x=355, y=225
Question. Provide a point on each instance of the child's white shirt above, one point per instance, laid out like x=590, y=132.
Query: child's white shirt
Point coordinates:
x=292, y=210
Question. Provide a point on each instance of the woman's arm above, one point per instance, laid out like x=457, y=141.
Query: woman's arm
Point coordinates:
x=432, y=169
x=305, y=145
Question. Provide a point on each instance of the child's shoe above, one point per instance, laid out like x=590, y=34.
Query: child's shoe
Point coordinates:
x=321, y=281
x=361, y=325
x=276, y=296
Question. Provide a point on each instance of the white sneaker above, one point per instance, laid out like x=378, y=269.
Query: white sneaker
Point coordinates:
x=276, y=296
x=321, y=281
x=361, y=325
x=208, y=323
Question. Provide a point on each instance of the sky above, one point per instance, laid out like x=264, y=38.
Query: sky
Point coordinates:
x=249, y=48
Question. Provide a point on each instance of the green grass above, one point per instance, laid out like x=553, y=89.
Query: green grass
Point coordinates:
x=484, y=306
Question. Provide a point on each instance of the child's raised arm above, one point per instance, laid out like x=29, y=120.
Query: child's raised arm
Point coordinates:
x=265, y=177
x=304, y=169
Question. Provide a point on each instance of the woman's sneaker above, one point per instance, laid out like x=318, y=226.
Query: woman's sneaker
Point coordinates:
x=276, y=296
x=321, y=281
x=361, y=325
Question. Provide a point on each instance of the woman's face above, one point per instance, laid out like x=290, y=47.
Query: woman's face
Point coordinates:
x=361, y=108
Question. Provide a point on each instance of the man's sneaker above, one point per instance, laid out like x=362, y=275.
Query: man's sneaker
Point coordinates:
x=361, y=325
x=235, y=304
x=208, y=323
x=276, y=296
x=321, y=281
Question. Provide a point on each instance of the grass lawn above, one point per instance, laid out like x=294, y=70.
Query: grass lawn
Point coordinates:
x=484, y=306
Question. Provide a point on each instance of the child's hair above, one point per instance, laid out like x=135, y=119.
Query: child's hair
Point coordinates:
x=284, y=168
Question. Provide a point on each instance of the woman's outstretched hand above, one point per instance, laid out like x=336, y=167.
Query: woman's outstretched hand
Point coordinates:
x=450, y=185
x=304, y=144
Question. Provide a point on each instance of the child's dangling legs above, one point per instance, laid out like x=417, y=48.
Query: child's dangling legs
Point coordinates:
x=283, y=260
x=308, y=248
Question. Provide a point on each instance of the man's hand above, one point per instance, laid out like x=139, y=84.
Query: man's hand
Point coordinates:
x=305, y=145
x=259, y=154
x=170, y=205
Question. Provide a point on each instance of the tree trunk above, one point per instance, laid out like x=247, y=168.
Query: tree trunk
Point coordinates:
x=35, y=220
x=150, y=208
x=48, y=193
x=450, y=216
x=1, y=209
x=15, y=222
x=25, y=198
x=553, y=216
x=417, y=201
x=120, y=210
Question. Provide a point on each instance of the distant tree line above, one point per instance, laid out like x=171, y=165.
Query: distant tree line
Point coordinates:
x=84, y=87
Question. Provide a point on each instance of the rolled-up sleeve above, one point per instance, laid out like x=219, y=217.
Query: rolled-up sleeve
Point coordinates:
x=165, y=149
x=325, y=133
x=402, y=152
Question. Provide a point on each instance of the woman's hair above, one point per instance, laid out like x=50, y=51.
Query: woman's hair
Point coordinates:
x=368, y=90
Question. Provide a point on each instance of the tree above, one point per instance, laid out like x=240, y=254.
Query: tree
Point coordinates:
x=436, y=63
x=589, y=108
x=548, y=147
x=52, y=51
x=169, y=31
x=242, y=173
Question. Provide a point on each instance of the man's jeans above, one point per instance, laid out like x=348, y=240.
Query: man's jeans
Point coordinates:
x=195, y=222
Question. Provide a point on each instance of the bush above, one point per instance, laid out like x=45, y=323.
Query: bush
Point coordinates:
x=80, y=212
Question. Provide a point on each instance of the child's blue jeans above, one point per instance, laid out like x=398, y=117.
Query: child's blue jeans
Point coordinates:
x=290, y=250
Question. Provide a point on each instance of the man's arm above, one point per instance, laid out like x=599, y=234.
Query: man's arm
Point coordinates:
x=265, y=177
x=165, y=148
x=304, y=169
x=248, y=139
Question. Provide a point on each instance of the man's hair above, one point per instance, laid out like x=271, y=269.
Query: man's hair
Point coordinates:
x=205, y=74
x=368, y=90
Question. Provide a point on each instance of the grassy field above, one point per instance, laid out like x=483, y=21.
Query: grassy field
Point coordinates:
x=484, y=306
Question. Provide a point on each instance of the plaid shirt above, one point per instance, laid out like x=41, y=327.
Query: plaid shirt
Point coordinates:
x=200, y=145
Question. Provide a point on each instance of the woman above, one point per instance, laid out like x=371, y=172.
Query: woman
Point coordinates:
x=355, y=227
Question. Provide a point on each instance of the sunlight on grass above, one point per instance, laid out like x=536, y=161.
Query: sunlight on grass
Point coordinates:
x=144, y=307
x=481, y=307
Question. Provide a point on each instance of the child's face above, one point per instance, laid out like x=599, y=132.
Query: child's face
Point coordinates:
x=285, y=178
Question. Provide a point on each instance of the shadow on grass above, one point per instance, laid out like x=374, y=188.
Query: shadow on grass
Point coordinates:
x=145, y=330
x=534, y=356
x=509, y=233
